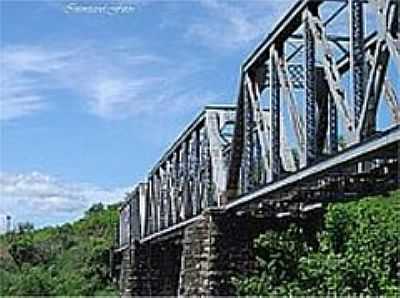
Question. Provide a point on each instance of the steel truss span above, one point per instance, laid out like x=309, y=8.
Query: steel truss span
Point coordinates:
x=317, y=118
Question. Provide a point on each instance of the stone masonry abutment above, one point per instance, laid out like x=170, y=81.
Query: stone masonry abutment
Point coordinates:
x=201, y=260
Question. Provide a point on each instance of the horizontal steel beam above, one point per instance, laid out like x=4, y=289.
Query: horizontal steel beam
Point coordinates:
x=352, y=153
x=282, y=31
x=121, y=248
x=330, y=37
x=180, y=225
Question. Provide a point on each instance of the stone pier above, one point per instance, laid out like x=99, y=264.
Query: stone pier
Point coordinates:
x=201, y=260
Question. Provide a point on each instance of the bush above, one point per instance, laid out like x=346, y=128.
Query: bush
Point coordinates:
x=358, y=253
x=33, y=281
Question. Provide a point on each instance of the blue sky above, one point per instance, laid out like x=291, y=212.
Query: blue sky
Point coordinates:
x=90, y=101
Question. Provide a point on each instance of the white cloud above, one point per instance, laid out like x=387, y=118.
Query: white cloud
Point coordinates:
x=23, y=84
x=34, y=195
x=113, y=82
x=17, y=106
x=233, y=24
x=121, y=97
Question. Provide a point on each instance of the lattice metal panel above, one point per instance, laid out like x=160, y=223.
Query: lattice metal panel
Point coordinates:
x=296, y=76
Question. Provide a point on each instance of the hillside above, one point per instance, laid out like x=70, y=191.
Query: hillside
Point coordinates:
x=72, y=259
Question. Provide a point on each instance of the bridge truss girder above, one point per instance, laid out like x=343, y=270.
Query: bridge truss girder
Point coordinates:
x=329, y=103
x=206, y=167
x=191, y=175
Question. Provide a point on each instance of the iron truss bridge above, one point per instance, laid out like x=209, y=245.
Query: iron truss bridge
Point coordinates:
x=316, y=120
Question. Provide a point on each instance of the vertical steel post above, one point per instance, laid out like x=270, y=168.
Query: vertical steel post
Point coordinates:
x=207, y=171
x=135, y=215
x=332, y=129
x=191, y=172
x=275, y=117
x=175, y=185
x=395, y=30
x=169, y=187
x=146, y=212
x=310, y=94
x=187, y=201
x=156, y=186
x=357, y=57
x=163, y=192
x=259, y=162
x=248, y=146
x=196, y=173
x=153, y=205
x=181, y=183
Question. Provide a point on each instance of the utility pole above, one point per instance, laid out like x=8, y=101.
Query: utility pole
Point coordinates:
x=8, y=224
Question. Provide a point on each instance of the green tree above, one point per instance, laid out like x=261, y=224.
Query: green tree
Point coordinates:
x=358, y=253
x=69, y=260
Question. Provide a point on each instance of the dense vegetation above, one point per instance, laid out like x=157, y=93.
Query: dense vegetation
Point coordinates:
x=357, y=252
x=72, y=259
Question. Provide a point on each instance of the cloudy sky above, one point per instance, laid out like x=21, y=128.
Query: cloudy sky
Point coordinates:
x=92, y=96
